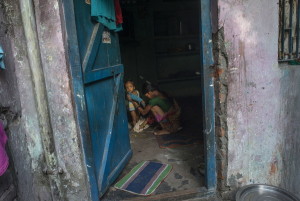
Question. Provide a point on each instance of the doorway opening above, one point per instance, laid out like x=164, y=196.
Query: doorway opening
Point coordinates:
x=160, y=43
x=163, y=42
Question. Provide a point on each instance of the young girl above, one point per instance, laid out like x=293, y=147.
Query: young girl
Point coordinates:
x=165, y=110
x=133, y=96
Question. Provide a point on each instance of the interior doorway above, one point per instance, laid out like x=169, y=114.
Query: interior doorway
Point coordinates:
x=160, y=43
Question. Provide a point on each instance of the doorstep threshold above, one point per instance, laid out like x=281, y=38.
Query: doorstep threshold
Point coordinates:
x=177, y=195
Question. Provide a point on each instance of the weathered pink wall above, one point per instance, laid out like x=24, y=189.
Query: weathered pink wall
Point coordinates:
x=18, y=94
x=256, y=102
x=57, y=78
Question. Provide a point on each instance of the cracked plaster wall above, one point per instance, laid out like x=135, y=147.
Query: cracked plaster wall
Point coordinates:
x=23, y=130
x=17, y=94
x=262, y=99
x=67, y=141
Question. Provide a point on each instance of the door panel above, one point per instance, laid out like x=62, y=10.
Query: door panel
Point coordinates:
x=112, y=52
x=105, y=98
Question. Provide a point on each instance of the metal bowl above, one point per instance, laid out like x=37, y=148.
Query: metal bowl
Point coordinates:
x=262, y=192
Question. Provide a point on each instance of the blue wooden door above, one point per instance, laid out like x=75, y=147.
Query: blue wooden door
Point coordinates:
x=104, y=94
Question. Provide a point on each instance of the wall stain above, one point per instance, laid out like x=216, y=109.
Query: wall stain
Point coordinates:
x=273, y=168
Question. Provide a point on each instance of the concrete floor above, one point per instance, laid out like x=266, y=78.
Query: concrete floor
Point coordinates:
x=185, y=160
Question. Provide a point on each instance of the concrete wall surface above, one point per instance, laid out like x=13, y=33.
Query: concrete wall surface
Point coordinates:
x=57, y=78
x=263, y=97
x=17, y=93
x=290, y=84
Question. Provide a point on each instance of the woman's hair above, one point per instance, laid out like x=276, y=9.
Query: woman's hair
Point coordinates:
x=147, y=87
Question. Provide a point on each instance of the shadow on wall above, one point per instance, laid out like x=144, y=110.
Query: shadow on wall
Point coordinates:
x=290, y=93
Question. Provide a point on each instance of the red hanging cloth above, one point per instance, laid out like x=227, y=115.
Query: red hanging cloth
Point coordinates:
x=118, y=11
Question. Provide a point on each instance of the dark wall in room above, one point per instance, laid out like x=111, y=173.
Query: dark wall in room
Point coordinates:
x=160, y=42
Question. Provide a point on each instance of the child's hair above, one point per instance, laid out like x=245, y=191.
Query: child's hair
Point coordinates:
x=129, y=81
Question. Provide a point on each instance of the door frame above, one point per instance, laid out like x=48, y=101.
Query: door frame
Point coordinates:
x=208, y=96
x=78, y=94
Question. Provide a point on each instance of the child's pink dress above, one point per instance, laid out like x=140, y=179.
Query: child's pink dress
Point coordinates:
x=3, y=156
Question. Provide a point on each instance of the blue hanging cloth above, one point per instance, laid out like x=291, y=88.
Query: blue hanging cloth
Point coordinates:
x=103, y=11
x=2, y=58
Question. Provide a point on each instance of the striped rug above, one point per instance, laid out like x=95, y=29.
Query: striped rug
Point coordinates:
x=144, y=178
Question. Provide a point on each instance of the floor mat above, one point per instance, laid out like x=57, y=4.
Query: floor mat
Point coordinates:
x=144, y=178
x=177, y=140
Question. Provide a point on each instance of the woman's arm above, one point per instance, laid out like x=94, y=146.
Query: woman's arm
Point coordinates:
x=144, y=111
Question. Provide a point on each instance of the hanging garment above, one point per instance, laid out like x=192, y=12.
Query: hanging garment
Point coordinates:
x=3, y=156
x=1, y=58
x=103, y=11
x=118, y=10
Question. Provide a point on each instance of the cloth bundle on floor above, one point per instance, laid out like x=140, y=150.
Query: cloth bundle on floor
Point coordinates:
x=140, y=125
x=3, y=156
x=144, y=178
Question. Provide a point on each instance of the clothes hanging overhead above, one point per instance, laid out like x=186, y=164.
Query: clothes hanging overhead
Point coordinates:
x=2, y=58
x=108, y=13
x=119, y=16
